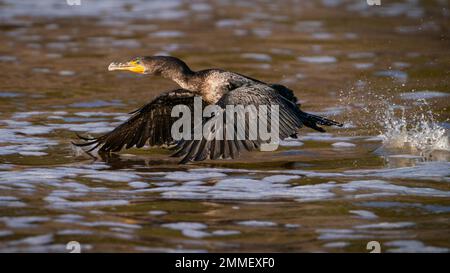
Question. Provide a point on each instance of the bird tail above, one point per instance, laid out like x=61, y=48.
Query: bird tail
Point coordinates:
x=312, y=121
x=89, y=141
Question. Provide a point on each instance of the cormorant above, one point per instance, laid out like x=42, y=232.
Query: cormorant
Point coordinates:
x=152, y=122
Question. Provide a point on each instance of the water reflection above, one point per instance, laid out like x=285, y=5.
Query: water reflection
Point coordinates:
x=321, y=192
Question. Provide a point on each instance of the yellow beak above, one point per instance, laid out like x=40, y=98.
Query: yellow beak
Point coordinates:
x=132, y=66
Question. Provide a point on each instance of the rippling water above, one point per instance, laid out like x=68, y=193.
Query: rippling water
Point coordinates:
x=384, y=176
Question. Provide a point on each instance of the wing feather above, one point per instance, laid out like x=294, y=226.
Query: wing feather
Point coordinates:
x=150, y=123
x=290, y=119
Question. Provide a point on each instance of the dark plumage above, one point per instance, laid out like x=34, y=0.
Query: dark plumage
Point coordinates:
x=152, y=123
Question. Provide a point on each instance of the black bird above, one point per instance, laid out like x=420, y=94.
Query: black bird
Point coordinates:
x=152, y=122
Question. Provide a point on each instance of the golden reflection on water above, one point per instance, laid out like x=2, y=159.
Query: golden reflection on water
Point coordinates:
x=339, y=60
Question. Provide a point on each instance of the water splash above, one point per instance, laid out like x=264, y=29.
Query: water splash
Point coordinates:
x=419, y=132
x=411, y=125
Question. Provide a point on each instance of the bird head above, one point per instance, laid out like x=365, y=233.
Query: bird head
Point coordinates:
x=153, y=65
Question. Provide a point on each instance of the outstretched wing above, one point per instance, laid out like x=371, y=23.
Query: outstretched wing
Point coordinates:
x=279, y=88
x=151, y=123
x=290, y=119
x=285, y=92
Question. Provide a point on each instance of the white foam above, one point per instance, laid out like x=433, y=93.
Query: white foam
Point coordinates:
x=200, y=7
x=318, y=59
x=339, y=234
x=322, y=36
x=385, y=225
x=364, y=214
x=8, y=198
x=185, y=225
x=97, y=114
x=313, y=192
x=309, y=26
x=224, y=23
x=154, y=10
x=72, y=232
x=66, y=73
x=189, y=229
x=7, y=59
x=363, y=65
x=257, y=57
x=11, y=201
x=186, y=176
x=420, y=132
x=113, y=176
x=385, y=186
x=401, y=64
x=262, y=32
x=138, y=185
x=417, y=95
x=70, y=217
x=408, y=156
x=126, y=43
x=111, y=224
x=314, y=173
x=157, y=212
x=257, y=223
x=293, y=226
x=249, y=189
x=23, y=221
x=336, y=245
x=435, y=170
x=280, y=178
x=190, y=183
x=81, y=204
x=225, y=232
x=4, y=233
x=413, y=246
x=32, y=153
x=291, y=143
x=167, y=34
x=361, y=55
x=91, y=127
x=331, y=111
x=395, y=74
x=343, y=145
x=193, y=233
x=223, y=170
x=34, y=240
x=324, y=137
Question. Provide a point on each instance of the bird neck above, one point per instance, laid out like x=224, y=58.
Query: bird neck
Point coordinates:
x=178, y=71
x=185, y=78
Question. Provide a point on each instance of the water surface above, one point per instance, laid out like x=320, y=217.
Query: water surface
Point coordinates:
x=382, y=71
